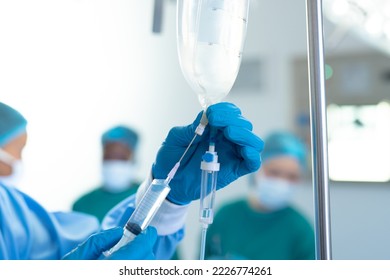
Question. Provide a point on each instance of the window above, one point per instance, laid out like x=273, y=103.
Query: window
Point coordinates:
x=359, y=143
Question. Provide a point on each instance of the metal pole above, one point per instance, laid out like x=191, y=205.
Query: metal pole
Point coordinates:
x=158, y=11
x=315, y=47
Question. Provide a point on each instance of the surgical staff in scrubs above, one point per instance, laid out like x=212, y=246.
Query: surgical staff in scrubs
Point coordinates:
x=118, y=173
x=265, y=225
x=28, y=231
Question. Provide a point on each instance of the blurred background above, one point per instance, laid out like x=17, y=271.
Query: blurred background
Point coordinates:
x=75, y=68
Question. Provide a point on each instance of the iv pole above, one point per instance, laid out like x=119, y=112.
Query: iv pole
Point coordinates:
x=316, y=65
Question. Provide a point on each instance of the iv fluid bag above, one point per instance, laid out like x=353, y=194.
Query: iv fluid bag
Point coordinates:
x=210, y=38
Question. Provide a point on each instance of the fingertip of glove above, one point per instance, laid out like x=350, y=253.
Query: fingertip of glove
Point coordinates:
x=151, y=231
x=260, y=145
x=151, y=235
x=244, y=137
x=197, y=119
x=252, y=158
x=112, y=233
x=222, y=107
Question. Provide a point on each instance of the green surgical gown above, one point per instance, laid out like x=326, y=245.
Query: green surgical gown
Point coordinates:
x=98, y=202
x=238, y=232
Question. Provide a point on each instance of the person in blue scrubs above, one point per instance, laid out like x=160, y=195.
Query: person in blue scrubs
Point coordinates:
x=28, y=231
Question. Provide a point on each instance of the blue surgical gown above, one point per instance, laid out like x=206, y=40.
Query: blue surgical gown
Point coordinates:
x=28, y=231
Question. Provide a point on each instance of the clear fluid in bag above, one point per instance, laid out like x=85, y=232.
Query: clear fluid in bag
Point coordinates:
x=215, y=80
x=210, y=38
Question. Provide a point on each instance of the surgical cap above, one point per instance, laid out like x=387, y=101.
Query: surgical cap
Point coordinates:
x=122, y=135
x=284, y=144
x=12, y=124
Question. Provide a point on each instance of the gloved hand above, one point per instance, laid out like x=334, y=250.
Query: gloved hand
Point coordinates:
x=238, y=150
x=141, y=248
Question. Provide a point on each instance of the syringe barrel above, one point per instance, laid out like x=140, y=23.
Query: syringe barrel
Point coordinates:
x=207, y=194
x=143, y=213
x=148, y=206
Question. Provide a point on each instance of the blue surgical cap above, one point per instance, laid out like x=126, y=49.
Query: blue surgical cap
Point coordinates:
x=12, y=124
x=121, y=134
x=284, y=144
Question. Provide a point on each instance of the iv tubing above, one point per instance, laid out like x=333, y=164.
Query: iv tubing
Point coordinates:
x=203, y=242
x=199, y=131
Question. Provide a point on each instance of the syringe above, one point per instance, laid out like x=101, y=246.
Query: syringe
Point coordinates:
x=210, y=167
x=152, y=200
x=144, y=212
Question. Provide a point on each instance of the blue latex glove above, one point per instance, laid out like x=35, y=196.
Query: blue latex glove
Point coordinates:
x=238, y=150
x=141, y=248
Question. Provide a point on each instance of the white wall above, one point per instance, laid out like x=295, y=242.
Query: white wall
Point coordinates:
x=76, y=67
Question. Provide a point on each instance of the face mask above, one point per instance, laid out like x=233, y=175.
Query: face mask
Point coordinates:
x=117, y=175
x=15, y=177
x=273, y=193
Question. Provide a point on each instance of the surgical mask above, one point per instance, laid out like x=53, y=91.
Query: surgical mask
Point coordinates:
x=117, y=175
x=15, y=177
x=274, y=193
